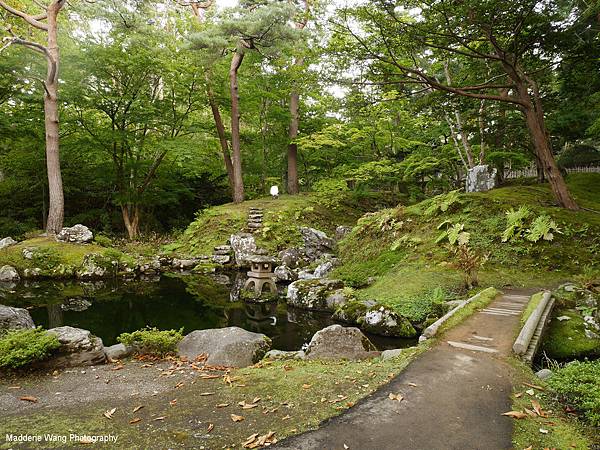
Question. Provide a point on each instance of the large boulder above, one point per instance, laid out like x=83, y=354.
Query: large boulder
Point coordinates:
x=9, y=273
x=481, y=178
x=375, y=318
x=7, y=242
x=78, y=234
x=231, y=346
x=338, y=342
x=14, y=318
x=316, y=295
x=316, y=243
x=293, y=257
x=78, y=347
x=118, y=351
x=243, y=246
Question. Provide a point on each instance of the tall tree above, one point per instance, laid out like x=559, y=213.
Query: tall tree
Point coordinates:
x=293, y=186
x=259, y=26
x=509, y=37
x=47, y=22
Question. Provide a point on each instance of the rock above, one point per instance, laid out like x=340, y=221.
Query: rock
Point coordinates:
x=243, y=246
x=544, y=374
x=184, y=264
x=152, y=267
x=325, y=268
x=222, y=250
x=279, y=355
x=94, y=266
x=14, y=318
x=306, y=275
x=481, y=178
x=562, y=318
x=36, y=272
x=9, y=273
x=78, y=348
x=231, y=346
x=389, y=354
x=293, y=258
x=375, y=318
x=75, y=304
x=316, y=242
x=285, y=274
x=341, y=232
x=7, y=242
x=28, y=253
x=79, y=234
x=118, y=351
x=338, y=342
x=317, y=295
x=221, y=259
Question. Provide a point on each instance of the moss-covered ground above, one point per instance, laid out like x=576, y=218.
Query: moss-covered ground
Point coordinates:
x=393, y=257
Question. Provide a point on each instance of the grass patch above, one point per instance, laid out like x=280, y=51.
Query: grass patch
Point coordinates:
x=563, y=431
x=19, y=348
x=152, y=340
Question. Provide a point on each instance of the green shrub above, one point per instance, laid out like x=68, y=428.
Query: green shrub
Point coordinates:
x=21, y=347
x=103, y=241
x=578, y=384
x=152, y=340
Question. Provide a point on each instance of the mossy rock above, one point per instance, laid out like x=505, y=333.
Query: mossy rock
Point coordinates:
x=374, y=318
x=566, y=339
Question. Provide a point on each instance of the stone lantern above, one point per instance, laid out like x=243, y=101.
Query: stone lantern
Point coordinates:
x=260, y=276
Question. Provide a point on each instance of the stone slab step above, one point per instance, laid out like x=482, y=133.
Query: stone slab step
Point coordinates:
x=475, y=348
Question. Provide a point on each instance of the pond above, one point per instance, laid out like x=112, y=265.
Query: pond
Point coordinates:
x=109, y=308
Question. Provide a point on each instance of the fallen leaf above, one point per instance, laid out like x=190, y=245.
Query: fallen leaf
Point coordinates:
x=346, y=447
x=529, y=448
x=222, y=405
x=109, y=414
x=135, y=420
x=204, y=394
x=306, y=386
x=173, y=402
x=237, y=418
x=515, y=414
x=245, y=405
x=211, y=426
x=161, y=418
x=538, y=408
x=535, y=386
x=530, y=391
x=29, y=398
x=413, y=384
x=397, y=397
x=543, y=431
x=118, y=367
x=256, y=400
x=249, y=440
x=180, y=384
x=14, y=387
x=286, y=417
x=206, y=376
x=137, y=408
x=519, y=395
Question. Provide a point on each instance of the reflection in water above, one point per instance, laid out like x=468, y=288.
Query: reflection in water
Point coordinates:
x=55, y=316
x=193, y=302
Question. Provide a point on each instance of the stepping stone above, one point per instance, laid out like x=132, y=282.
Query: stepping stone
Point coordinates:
x=475, y=348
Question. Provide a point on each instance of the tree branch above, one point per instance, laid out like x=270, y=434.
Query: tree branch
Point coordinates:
x=31, y=20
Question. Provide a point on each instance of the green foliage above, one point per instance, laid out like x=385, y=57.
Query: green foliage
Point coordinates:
x=542, y=227
x=152, y=340
x=443, y=203
x=103, y=240
x=19, y=348
x=566, y=339
x=331, y=192
x=515, y=223
x=578, y=384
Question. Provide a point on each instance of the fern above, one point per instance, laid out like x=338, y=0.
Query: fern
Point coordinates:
x=515, y=223
x=542, y=227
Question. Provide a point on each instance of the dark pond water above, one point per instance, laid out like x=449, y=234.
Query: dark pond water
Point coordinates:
x=108, y=309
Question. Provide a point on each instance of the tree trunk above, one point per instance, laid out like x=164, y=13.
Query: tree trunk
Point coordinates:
x=293, y=187
x=56, y=208
x=481, y=131
x=543, y=150
x=238, y=180
x=131, y=219
x=214, y=107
